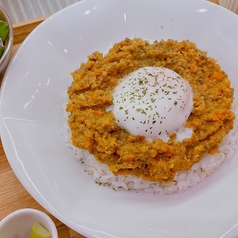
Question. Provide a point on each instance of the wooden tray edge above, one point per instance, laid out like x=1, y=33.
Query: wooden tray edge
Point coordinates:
x=23, y=29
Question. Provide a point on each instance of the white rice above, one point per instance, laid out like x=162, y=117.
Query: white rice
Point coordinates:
x=182, y=180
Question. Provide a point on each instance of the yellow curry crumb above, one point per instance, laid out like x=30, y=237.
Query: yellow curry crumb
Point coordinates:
x=94, y=128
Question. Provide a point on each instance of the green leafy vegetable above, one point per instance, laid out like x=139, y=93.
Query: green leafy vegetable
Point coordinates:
x=4, y=30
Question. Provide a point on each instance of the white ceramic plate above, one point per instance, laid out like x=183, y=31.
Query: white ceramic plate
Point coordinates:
x=32, y=123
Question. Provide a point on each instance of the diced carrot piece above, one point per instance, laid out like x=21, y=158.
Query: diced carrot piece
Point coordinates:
x=208, y=85
x=98, y=112
x=228, y=84
x=141, y=137
x=217, y=76
x=97, y=72
x=129, y=157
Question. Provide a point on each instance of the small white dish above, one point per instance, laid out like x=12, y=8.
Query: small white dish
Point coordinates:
x=18, y=224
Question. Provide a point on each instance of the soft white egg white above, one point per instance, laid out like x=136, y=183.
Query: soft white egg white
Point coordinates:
x=153, y=102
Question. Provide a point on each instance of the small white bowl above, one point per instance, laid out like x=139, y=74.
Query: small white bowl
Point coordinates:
x=18, y=224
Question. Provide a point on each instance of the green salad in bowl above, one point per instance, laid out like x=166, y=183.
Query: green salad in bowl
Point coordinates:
x=4, y=31
x=6, y=39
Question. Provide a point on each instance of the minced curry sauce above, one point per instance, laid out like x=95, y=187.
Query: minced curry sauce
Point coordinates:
x=94, y=128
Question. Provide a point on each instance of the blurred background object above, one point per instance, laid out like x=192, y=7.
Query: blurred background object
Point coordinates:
x=23, y=10
x=231, y=5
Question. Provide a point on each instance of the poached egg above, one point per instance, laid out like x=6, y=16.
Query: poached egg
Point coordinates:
x=153, y=102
